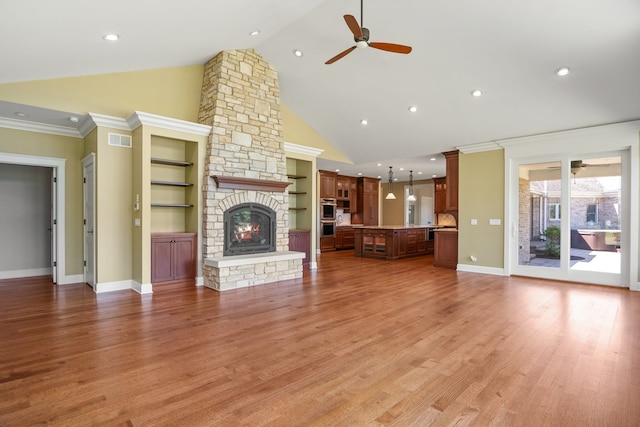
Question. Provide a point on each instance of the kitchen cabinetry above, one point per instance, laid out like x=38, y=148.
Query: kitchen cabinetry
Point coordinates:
x=328, y=184
x=451, y=161
x=390, y=242
x=440, y=195
x=446, y=249
x=173, y=256
x=367, y=202
x=345, y=237
x=344, y=194
x=300, y=241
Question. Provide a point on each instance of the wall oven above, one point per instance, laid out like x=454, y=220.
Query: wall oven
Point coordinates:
x=328, y=209
x=327, y=228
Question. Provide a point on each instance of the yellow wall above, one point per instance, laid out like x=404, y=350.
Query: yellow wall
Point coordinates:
x=171, y=92
x=393, y=210
x=481, y=199
x=114, y=213
x=39, y=144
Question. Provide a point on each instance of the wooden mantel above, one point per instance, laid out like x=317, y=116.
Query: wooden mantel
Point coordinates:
x=238, y=183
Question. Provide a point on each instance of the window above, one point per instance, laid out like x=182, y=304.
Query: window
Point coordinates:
x=554, y=211
x=592, y=214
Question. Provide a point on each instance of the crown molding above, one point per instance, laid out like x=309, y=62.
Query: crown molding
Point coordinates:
x=139, y=118
x=478, y=148
x=39, y=127
x=302, y=149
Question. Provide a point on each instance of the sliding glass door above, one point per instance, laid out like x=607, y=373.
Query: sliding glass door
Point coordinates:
x=571, y=219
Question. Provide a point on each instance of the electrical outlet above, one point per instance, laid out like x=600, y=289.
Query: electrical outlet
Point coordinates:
x=473, y=258
x=474, y=221
x=494, y=221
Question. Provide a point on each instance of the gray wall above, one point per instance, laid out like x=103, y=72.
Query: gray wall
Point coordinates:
x=25, y=217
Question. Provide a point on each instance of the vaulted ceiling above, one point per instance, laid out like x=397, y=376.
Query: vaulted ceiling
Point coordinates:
x=508, y=50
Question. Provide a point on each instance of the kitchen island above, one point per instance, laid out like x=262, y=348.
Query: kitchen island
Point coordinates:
x=393, y=242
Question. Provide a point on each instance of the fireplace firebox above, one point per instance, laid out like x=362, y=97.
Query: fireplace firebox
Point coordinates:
x=249, y=228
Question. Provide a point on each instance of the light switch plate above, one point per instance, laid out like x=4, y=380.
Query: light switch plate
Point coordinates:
x=474, y=221
x=136, y=222
x=494, y=221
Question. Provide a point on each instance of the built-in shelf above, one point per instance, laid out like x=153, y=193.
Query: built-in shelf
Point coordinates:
x=173, y=184
x=292, y=176
x=297, y=209
x=159, y=161
x=297, y=192
x=170, y=205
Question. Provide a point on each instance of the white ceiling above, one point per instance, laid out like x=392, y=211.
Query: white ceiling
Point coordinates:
x=507, y=49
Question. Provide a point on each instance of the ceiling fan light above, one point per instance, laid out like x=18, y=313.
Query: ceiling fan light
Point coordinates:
x=362, y=44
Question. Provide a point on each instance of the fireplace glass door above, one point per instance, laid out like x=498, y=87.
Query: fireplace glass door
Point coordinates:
x=249, y=228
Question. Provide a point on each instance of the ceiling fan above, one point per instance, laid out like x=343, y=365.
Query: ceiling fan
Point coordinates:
x=361, y=37
x=576, y=165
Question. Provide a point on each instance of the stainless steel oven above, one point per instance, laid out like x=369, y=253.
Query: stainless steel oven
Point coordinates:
x=327, y=228
x=328, y=209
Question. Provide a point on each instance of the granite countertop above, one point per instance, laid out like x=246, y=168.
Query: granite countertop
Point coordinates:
x=441, y=230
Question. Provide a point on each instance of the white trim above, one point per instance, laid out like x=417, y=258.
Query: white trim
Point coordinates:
x=39, y=127
x=199, y=281
x=481, y=269
x=59, y=164
x=89, y=160
x=139, y=118
x=113, y=286
x=31, y=272
x=302, y=149
x=478, y=148
x=142, y=289
x=94, y=120
x=313, y=265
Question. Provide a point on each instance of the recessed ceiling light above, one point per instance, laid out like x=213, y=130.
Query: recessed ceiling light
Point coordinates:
x=111, y=37
x=395, y=179
x=359, y=173
x=74, y=119
x=563, y=71
x=364, y=122
x=433, y=176
x=433, y=159
x=401, y=169
x=419, y=173
x=337, y=170
x=378, y=164
x=298, y=53
x=254, y=33
x=413, y=109
x=379, y=177
x=20, y=114
x=476, y=93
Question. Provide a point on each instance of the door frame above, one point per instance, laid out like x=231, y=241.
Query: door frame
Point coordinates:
x=58, y=234
x=565, y=145
x=89, y=162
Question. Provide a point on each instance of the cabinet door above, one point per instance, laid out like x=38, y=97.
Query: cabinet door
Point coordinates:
x=161, y=260
x=452, y=180
x=184, y=258
x=327, y=185
x=353, y=192
x=300, y=241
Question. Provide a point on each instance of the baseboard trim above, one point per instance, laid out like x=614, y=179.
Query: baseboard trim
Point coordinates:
x=481, y=269
x=313, y=265
x=112, y=286
x=199, y=281
x=142, y=288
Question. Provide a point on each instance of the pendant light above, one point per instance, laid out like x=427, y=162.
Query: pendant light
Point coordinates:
x=390, y=196
x=411, y=197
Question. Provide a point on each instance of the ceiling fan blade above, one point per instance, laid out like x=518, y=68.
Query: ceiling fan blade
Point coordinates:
x=391, y=47
x=353, y=26
x=340, y=55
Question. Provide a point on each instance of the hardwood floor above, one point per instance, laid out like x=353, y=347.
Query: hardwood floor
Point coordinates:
x=359, y=342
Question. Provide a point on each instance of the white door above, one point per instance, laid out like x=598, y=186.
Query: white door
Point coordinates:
x=89, y=219
x=572, y=218
x=54, y=225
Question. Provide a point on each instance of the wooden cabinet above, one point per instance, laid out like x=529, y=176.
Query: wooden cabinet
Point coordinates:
x=345, y=237
x=353, y=194
x=343, y=191
x=367, y=195
x=446, y=249
x=451, y=160
x=328, y=184
x=390, y=243
x=300, y=241
x=440, y=195
x=173, y=256
x=327, y=244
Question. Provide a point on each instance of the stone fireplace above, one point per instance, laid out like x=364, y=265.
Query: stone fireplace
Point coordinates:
x=245, y=168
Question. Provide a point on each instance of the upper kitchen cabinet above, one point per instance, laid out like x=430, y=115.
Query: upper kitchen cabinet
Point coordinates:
x=367, y=201
x=328, y=184
x=451, y=161
x=440, y=195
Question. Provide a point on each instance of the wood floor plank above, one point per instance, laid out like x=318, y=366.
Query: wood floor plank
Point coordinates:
x=357, y=342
